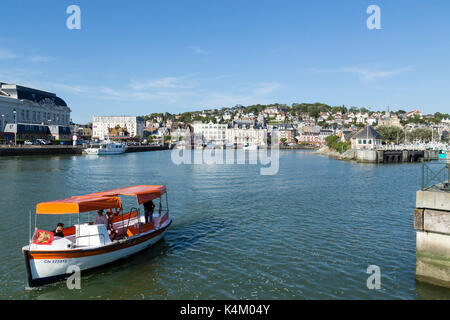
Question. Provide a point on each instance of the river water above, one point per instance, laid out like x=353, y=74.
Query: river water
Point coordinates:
x=308, y=232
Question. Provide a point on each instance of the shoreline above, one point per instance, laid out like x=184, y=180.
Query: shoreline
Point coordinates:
x=336, y=155
x=6, y=151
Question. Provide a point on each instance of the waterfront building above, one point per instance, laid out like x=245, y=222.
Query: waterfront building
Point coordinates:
x=315, y=138
x=242, y=132
x=180, y=132
x=82, y=131
x=210, y=131
x=366, y=138
x=31, y=114
x=285, y=131
x=126, y=126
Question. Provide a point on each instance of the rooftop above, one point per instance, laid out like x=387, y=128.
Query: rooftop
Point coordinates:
x=367, y=133
x=25, y=93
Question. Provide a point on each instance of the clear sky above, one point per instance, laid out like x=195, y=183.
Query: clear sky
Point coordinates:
x=138, y=57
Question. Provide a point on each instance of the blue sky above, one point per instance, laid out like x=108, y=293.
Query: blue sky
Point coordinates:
x=138, y=57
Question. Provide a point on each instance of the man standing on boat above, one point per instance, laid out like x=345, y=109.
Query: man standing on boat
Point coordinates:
x=149, y=206
x=100, y=219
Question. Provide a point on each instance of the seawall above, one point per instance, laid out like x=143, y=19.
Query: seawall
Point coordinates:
x=60, y=150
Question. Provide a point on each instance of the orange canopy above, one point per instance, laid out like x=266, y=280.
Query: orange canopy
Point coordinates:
x=100, y=200
x=77, y=205
x=143, y=193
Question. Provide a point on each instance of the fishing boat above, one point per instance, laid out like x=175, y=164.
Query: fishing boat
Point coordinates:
x=86, y=245
x=107, y=147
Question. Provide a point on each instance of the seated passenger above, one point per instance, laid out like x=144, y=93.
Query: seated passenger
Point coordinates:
x=110, y=226
x=100, y=219
x=58, y=232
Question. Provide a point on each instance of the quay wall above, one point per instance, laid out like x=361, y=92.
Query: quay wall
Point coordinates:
x=432, y=225
x=395, y=156
x=61, y=150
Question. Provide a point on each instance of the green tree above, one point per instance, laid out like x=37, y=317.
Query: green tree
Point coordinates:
x=391, y=134
x=334, y=142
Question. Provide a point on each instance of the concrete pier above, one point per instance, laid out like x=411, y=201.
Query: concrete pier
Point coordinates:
x=432, y=225
x=395, y=156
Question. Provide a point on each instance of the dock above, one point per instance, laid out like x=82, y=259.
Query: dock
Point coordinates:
x=397, y=155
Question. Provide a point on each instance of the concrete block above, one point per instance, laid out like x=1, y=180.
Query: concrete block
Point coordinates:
x=366, y=155
x=433, y=199
x=433, y=258
x=418, y=219
x=436, y=221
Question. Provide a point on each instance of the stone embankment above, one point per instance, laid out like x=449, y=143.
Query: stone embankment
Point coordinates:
x=347, y=155
x=61, y=150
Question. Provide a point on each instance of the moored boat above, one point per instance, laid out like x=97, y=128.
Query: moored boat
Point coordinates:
x=250, y=147
x=107, y=147
x=49, y=258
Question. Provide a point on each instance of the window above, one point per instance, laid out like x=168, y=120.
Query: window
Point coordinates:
x=364, y=141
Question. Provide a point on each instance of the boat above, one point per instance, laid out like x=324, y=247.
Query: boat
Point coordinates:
x=107, y=147
x=49, y=258
x=250, y=147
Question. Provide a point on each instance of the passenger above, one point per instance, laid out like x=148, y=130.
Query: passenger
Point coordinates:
x=110, y=226
x=100, y=219
x=58, y=232
x=149, y=206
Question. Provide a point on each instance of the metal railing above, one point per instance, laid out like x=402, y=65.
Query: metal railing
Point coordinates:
x=436, y=174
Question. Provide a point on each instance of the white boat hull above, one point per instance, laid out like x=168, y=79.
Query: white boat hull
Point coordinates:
x=95, y=151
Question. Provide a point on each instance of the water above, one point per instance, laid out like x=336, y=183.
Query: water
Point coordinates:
x=309, y=232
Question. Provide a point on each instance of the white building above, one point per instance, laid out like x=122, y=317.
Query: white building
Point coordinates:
x=239, y=132
x=27, y=111
x=210, y=131
x=366, y=138
x=131, y=126
x=242, y=132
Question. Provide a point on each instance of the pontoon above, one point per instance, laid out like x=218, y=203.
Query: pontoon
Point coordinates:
x=86, y=245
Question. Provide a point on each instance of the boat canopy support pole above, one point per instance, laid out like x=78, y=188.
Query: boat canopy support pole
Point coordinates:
x=167, y=202
x=29, y=226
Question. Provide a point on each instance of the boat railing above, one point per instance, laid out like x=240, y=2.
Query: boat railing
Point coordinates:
x=124, y=230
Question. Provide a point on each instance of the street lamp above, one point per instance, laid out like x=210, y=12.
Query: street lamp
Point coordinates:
x=15, y=123
x=49, y=126
x=3, y=126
